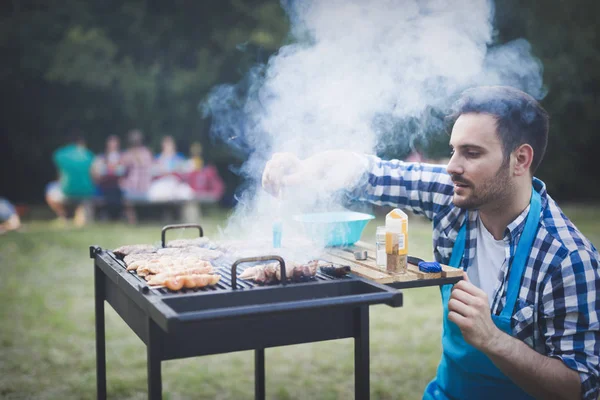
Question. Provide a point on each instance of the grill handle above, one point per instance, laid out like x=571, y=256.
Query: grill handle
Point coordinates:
x=178, y=226
x=255, y=259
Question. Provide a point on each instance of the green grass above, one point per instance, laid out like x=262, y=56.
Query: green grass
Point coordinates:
x=47, y=333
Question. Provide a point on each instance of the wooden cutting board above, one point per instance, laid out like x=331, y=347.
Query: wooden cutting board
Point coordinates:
x=369, y=270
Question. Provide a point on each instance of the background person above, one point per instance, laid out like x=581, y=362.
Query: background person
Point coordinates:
x=196, y=161
x=107, y=171
x=9, y=218
x=55, y=199
x=75, y=184
x=169, y=175
x=524, y=322
x=203, y=179
x=137, y=161
x=169, y=161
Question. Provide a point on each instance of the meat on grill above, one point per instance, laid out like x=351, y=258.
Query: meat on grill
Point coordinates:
x=159, y=279
x=199, y=252
x=131, y=258
x=146, y=261
x=123, y=251
x=191, y=281
x=335, y=270
x=200, y=247
x=197, y=242
x=164, y=264
x=271, y=272
x=262, y=273
x=185, y=263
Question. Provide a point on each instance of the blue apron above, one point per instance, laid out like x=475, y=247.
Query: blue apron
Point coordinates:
x=465, y=372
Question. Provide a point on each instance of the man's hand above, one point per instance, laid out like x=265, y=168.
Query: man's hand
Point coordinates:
x=539, y=375
x=277, y=170
x=469, y=308
x=324, y=172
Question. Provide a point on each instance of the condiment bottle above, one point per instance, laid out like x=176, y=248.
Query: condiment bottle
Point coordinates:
x=380, y=255
x=396, y=241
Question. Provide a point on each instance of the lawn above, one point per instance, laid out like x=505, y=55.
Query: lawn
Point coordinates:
x=47, y=336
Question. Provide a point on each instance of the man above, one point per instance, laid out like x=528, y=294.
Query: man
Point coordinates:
x=525, y=320
x=74, y=162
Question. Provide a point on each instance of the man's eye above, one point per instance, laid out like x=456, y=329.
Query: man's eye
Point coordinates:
x=472, y=154
x=452, y=151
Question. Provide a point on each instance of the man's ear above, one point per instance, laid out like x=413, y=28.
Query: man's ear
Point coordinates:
x=523, y=157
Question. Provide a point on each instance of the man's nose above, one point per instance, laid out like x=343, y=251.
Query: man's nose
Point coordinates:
x=454, y=167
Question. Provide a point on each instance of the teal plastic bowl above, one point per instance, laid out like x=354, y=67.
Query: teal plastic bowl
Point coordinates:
x=341, y=228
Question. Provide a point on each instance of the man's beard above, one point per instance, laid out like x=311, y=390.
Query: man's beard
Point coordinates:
x=493, y=191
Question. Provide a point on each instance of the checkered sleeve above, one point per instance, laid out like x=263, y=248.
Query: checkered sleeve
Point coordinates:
x=421, y=188
x=571, y=312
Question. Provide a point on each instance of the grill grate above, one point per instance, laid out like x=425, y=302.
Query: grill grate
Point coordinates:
x=223, y=267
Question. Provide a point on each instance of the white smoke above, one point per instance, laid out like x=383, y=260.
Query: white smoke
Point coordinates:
x=354, y=71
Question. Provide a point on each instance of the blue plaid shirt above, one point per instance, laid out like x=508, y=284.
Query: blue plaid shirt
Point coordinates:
x=558, y=309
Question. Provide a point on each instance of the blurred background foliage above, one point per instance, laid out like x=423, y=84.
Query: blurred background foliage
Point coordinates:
x=110, y=66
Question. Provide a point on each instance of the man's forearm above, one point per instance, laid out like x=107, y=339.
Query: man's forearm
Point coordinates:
x=416, y=187
x=541, y=376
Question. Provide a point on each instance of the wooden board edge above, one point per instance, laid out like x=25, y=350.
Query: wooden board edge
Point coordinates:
x=450, y=272
x=423, y=275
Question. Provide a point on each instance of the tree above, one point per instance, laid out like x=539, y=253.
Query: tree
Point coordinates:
x=109, y=66
x=564, y=35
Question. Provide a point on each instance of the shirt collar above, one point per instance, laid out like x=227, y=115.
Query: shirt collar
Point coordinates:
x=515, y=228
x=452, y=222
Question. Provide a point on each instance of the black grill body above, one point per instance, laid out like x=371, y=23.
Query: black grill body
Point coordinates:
x=224, y=319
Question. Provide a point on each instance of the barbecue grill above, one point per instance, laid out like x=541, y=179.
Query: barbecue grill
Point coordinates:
x=235, y=315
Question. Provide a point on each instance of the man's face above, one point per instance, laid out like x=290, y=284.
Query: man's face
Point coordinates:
x=481, y=180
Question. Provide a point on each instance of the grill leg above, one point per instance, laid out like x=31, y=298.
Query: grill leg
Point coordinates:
x=259, y=374
x=154, y=360
x=100, y=337
x=361, y=354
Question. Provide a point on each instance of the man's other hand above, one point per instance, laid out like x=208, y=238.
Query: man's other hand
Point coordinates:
x=469, y=308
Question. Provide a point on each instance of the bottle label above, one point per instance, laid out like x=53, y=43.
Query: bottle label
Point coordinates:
x=401, y=243
x=381, y=257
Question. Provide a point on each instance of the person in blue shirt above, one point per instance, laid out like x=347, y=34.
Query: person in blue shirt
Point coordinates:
x=73, y=162
x=9, y=218
x=169, y=161
x=525, y=321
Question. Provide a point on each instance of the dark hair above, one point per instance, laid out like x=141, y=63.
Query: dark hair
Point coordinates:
x=74, y=135
x=519, y=117
x=135, y=137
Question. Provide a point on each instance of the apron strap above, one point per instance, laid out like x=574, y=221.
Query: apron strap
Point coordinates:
x=519, y=262
x=459, y=246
